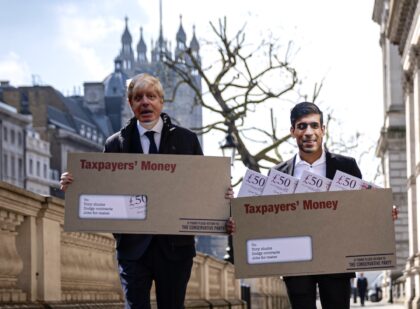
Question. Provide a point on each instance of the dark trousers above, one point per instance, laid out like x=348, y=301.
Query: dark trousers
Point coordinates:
x=362, y=295
x=333, y=292
x=354, y=292
x=171, y=279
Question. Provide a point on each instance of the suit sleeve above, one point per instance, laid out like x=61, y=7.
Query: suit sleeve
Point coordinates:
x=112, y=144
x=197, y=147
x=356, y=171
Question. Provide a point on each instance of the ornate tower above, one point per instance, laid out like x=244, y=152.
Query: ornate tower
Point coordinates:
x=181, y=39
x=179, y=105
x=126, y=54
x=141, y=50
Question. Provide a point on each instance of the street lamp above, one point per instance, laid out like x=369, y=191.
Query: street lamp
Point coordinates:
x=229, y=147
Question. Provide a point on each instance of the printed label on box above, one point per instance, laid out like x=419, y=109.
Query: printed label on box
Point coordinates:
x=279, y=250
x=112, y=206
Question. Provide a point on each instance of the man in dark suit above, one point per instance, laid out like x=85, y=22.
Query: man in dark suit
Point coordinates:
x=362, y=285
x=142, y=259
x=308, y=129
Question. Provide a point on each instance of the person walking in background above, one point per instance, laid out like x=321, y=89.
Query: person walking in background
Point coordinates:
x=354, y=290
x=362, y=284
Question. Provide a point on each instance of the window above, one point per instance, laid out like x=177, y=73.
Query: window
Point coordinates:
x=45, y=170
x=13, y=167
x=82, y=130
x=20, y=168
x=5, y=134
x=12, y=136
x=20, y=138
x=38, y=168
x=31, y=166
x=5, y=172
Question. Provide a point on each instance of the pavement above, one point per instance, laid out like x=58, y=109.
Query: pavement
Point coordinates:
x=368, y=304
x=380, y=305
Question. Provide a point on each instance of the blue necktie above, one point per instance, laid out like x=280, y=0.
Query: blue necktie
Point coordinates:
x=151, y=136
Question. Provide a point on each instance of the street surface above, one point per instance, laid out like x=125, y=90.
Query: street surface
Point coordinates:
x=368, y=304
x=380, y=305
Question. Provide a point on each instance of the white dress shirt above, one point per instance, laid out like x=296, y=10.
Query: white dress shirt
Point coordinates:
x=144, y=140
x=319, y=167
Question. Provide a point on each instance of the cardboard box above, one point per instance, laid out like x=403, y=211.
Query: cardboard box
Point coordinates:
x=313, y=233
x=154, y=194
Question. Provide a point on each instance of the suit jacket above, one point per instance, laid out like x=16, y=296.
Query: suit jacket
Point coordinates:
x=362, y=284
x=334, y=162
x=174, y=140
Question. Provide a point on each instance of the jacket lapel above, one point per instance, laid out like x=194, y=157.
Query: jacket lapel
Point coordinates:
x=136, y=144
x=131, y=138
x=166, y=145
x=290, y=166
x=330, y=162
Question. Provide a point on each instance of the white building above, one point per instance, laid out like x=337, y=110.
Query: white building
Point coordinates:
x=24, y=156
x=39, y=177
x=400, y=41
x=12, y=145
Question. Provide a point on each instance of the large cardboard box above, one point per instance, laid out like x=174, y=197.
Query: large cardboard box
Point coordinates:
x=313, y=233
x=156, y=194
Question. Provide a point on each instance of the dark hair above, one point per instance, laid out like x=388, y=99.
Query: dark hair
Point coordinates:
x=304, y=109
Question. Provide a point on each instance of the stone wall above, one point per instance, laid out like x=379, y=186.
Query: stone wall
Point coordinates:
x=41, y=266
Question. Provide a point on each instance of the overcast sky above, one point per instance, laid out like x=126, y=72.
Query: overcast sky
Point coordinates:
x=66, y=43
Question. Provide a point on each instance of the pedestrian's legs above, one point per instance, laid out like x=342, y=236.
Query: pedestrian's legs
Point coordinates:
x=334, y=292
x=136, y=281
x=362, y=295
x=171, y=280
x=301, y=291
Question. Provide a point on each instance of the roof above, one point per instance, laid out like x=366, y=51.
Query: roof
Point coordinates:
x=141, y=46
x=180, y=35
x=8, y=108
x=126, y=37
x=115, y=84
x=104, y=123
x=60, y=119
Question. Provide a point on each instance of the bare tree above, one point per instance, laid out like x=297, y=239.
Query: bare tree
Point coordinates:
x=242, y=79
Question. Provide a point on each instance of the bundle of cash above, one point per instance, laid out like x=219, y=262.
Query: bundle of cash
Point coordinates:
x=279, y=183
x=311, y=182
x=252, y=184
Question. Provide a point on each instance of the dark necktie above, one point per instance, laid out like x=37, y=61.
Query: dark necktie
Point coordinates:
x=151, y=136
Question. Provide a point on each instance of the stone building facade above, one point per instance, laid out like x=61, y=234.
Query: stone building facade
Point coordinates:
x=39, y=176
x=60, y=123
x=12, y=144
x=399, y=145
x=24, y=156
